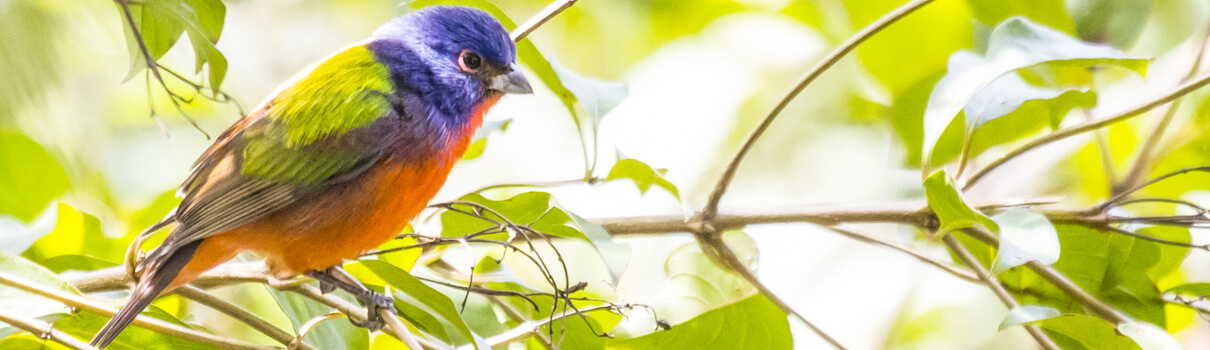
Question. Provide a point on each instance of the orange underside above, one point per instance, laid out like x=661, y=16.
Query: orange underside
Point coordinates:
x=340, y=224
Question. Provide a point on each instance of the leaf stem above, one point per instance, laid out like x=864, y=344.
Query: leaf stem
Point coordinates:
x=989, y=280
x=240, y=314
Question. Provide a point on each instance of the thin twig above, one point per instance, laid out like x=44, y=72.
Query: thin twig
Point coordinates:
x=537, y=20
x=239, y=314
x=516, y=315
x=1177, y=92
x=1143, y=159
x=44, y=330
x=947, y=267
x=713, y=246
x=153, y=66
x=1117, y=197
x=861, y=36
x=1106, y=152
x=150, y=323
x=989, y=280
x=521, y=331
x=590, y=180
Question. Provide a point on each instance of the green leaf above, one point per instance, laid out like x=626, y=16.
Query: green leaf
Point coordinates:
x=403, y=282
x=331, y=334
x=696, y=284
x=753, y=323
x=1010, y=96
x=535, y=209
x=597, y=96
x=16, y=237
x=162, y=22
x=1111, y=267
x=23, y=304
x=422, y=319
x=1118, y=22
x=79, y=262
x=83, y=325
x=1024, y=236
x=1015, y=44
x=1171, y=256
x=479, y=143
x=616, y=256
x=1194, y=289
x=643, y=176
x=1049, y=13
x=75, y=233
x=1149, y=337
x=15, y=343
x=951, y=209
x=1027, y=314
x=158, y=27
x=29, y=177
x=1079, y=332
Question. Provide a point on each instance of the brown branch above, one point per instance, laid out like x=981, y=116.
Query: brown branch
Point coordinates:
x=1177, y=92
x=239, y=314
x=147, y=322
x=913, y=213
x=547, y=13
x=989, y=280
x=849, y=45
x=44, y=330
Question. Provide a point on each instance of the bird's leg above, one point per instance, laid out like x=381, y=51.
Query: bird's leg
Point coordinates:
x=336, y=277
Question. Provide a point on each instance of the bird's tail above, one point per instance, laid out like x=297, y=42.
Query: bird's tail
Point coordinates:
x=158, y=276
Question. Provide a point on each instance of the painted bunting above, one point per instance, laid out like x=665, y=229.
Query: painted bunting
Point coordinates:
x=339, y=159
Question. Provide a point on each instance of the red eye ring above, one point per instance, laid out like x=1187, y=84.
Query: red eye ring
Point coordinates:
x=469, y=61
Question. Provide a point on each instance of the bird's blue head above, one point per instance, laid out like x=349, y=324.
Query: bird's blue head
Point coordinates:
x=451, y=57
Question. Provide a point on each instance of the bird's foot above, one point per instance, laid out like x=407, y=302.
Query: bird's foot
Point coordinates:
x=376, y=303
x=335, y=277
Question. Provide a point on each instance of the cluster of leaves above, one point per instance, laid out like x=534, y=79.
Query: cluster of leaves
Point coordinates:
x=1032, y=76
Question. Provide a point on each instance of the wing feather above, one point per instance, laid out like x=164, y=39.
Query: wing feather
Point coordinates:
x=315, y=134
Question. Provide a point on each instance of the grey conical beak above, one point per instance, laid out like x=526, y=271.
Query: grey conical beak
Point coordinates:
x=512, y=83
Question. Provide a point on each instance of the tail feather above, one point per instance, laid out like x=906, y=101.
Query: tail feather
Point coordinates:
x=159, y=275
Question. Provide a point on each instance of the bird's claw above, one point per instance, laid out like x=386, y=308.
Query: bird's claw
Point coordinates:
x=375, y=304
x=325, y=287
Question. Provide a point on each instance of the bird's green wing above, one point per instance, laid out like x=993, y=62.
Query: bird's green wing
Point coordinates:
x=316, y=132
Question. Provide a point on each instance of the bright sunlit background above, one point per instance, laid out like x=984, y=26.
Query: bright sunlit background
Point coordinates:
x=700, y=75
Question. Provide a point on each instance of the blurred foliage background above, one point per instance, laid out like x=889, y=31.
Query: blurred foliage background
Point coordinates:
x=84, y=165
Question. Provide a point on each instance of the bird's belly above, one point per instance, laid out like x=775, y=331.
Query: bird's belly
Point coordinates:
x=340, y=224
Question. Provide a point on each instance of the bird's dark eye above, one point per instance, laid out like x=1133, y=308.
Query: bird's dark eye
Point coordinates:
x=469, y=62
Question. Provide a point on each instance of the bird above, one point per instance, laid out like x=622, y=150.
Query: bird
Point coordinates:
x=338, y=160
